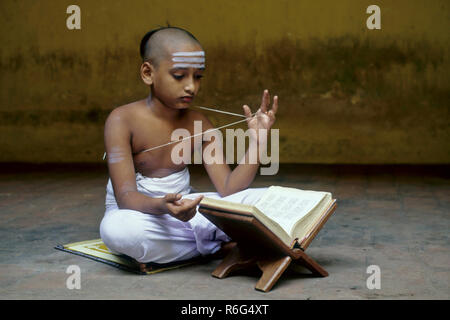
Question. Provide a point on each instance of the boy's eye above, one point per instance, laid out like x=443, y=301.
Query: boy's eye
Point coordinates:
x=178, y=76
x=198, y=76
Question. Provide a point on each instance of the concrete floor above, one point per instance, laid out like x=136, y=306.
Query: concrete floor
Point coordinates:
x=395, y=217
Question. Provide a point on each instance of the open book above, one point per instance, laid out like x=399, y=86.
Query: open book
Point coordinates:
x=293, y=215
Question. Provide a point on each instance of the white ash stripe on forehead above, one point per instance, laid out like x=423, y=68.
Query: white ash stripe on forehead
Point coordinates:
x=189, y=54
x=189, y=65
x=190, y=59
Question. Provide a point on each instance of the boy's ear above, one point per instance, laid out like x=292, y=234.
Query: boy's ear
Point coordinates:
x=147, y=72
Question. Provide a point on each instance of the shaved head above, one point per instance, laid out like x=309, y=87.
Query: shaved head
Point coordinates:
x=156, y=44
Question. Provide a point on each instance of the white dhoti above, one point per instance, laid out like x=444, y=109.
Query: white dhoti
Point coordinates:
x=163, y=238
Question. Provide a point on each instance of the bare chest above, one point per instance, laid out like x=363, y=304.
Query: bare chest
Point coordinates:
x=153, y=146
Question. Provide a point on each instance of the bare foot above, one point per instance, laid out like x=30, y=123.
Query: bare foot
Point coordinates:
x=145, y=268
x=224, y=250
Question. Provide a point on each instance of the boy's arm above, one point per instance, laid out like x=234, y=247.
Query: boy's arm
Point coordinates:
x=226, y=181
x=121, y=166
x=123, y=176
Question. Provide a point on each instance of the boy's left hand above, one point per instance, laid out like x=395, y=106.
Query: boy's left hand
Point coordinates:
x=264, y=118
x=181, y=209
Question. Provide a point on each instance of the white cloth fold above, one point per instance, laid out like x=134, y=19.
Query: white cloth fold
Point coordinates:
x=163, y=238
x=177, y=182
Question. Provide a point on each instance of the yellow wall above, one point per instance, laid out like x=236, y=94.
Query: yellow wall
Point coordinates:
x=347, y=94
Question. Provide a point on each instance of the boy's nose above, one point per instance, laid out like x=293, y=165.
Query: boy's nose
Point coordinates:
x=189, y=87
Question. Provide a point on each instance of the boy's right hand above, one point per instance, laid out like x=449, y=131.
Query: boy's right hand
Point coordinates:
x=182, y=209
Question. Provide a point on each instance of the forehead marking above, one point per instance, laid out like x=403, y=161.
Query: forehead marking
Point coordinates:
x=189, y=65
x=191, y=60
x=189, y=54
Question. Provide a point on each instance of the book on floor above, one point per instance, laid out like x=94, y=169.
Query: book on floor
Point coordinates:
x=293, y=215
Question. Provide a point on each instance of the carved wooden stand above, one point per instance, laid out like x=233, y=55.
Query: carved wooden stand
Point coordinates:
x=257, y=245
x=272, y=267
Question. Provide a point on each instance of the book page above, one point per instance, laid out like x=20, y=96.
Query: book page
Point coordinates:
x=287, y=206
x=309, y=226
x=226, y=206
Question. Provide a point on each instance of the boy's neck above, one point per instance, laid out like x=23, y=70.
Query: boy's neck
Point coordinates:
x=160, y=110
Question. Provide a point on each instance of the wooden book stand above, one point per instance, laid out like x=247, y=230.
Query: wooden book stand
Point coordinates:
x=257, y=245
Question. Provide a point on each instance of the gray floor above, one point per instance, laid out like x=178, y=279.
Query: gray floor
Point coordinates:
x=395, y=217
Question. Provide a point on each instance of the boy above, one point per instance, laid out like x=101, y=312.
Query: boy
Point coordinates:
x=150, y=215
